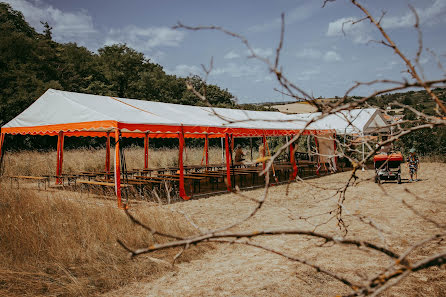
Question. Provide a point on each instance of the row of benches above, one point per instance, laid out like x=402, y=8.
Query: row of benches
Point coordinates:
x=141, y=178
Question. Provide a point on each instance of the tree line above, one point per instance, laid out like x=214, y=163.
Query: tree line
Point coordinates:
x=31, y=62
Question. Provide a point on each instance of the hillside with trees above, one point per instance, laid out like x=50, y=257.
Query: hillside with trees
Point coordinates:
x=31, y=62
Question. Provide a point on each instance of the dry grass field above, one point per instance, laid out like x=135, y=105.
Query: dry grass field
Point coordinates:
x=298, y=107
x=302, y=107
x=61, y=243
x=41, y=163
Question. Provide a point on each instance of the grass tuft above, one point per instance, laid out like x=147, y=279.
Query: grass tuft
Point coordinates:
x=62, y=247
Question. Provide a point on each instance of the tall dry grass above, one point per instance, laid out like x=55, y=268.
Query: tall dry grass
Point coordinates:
x=44, y=163
x=54, y=246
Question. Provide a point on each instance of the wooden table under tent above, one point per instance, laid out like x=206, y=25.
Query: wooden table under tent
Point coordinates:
x=66, y=114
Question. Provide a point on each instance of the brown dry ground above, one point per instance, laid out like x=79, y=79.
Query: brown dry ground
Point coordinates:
x=238, y=270
x=295, y=108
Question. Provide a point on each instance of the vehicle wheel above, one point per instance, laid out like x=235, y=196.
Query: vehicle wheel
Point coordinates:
x=376, y=179
x=399, y=179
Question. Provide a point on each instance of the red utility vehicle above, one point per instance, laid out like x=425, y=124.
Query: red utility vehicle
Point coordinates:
x=388, y=167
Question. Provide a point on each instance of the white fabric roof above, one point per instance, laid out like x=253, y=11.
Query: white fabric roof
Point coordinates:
x=354, y=121
x=56, y=107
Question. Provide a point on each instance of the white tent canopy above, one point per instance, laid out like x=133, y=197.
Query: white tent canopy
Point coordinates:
x=75, y=114
x=356, y=121
x=57, y=111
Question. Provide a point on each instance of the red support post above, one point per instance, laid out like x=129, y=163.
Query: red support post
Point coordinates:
x=263, y=152
x=228, y=163
x=118, y=168
x=2, y=141
x=59, y=168
x=293, y=161
x=206, y=144
x=146, y=151
x=317, y=156
x=335, y=147
x=107, y=154
x=180, y=161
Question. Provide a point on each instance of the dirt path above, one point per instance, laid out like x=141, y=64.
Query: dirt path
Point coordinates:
x=238, y=270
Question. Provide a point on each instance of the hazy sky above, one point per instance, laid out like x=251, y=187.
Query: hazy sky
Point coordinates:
x=317, y=56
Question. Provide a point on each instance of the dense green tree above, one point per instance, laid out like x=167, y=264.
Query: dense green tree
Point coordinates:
x=31, y=62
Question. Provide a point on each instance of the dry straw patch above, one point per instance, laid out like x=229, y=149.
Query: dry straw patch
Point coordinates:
x=41, y=163
x=63, y=247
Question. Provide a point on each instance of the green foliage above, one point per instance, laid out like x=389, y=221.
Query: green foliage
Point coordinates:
x=427, y=142
x=419, y=100
x=30, y=63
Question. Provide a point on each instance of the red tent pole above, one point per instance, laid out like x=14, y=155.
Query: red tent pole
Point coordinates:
x=146, y=151
x=293, y=161
x=59, y=157
x=2, y=141
x=206, y=144
x=180, y=161
x=107, y=154
x=118, y=168
x=228, y=163
x=317, y=150
x=263, y=152
x=335, y=147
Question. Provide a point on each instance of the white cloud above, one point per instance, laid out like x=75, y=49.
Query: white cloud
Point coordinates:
x=66, y=25
x=231, y=55
x=428, y=15
x=309, y=53
x=236, y=70
x=145, y=39
x=298, y=14
x=185, y=70
x=315, y=54
x=360, y=32
x=308, y=74
x=261, y=52
x=332, y=56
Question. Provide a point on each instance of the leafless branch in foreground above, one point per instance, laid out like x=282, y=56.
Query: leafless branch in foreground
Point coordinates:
x=402, y=264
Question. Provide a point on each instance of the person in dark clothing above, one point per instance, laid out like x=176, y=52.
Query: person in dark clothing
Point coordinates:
x=413, y=164
x=239, y=154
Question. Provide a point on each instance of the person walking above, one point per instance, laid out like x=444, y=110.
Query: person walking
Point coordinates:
x=413, y=164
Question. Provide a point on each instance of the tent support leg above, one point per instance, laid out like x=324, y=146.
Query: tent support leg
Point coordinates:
x=293, y=161
x=118, y=167
x=222, y=150
x=228, y=164
x=363, y=152
x=146, y=151
x=206, y=144
x=250, y=146
x=263, y=152
x=181, y=166
x=107, y=155
x=317, y=155
x=60, y=141
x=232, y=160
x=2, y=152
x=335, y=154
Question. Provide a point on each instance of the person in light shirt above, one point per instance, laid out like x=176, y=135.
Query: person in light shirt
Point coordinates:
x=413, y=164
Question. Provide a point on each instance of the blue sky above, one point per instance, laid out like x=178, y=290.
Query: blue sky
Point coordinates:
x=317, y=56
